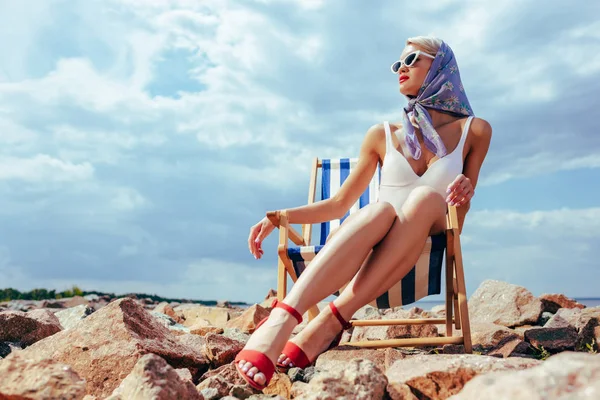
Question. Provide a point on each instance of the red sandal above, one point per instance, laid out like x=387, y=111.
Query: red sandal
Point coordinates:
x=297, y=355
x=258, y=359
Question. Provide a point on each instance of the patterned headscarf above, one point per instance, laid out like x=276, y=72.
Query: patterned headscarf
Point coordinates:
x=442, y=90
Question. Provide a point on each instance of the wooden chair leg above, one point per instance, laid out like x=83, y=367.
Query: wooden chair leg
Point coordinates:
x=449, y=294
x=462, y=297
x=456, y=308
x=281, y=280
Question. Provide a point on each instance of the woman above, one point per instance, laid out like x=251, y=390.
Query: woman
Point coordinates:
x=432, y=158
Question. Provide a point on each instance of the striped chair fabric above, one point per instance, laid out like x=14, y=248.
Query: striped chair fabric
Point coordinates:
x=424, y=278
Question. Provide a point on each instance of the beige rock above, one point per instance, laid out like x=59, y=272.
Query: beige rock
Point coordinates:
x=43, y=379
x=568, y=376
x=553, y=302
x=104, y=347
x=440, y=376
x=217, y=316
x=221, y=350
x=487, y=334
x=205, y=330
x=165, y=308
x=184, y=373
x=75, y=301
x=71, y=316
x=341, y=355
x=249, y=319
x=280, y=385
x=504, y=304
x=153, y=379
x=27, y=328
x=299, y=388
x=356, y=379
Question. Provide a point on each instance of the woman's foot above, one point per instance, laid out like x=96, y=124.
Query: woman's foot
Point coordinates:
x=315, y=338
x=268, y=339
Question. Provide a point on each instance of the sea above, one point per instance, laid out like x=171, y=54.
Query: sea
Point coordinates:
x=429, y=304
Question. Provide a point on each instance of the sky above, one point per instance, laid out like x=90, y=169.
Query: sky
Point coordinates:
x=141, y=139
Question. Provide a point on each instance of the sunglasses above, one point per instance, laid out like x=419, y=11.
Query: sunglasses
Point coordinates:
x=409, y=60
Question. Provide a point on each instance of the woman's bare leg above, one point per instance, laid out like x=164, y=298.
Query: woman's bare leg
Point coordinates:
x=337, y=262
x=422, y=214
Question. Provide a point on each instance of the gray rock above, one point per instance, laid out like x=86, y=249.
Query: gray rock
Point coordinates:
x=71, y=316
x=565, y=376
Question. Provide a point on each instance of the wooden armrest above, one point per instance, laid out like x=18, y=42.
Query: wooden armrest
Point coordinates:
x=282, y=223
x=451, y=218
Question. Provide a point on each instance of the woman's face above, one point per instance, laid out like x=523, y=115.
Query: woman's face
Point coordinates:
x=411, y=78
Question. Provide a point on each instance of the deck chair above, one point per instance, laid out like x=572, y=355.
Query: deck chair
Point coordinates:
x=424, y=279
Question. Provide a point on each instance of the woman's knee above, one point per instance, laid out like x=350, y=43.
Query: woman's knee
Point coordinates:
x=381, y=211
x=425, y=198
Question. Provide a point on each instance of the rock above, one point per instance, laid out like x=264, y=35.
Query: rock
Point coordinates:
x=356, y=379
x=585, y=321
x=104, y=347
x=363, y=333
x=42, y=379
x=224, y=304
x=272, y=294
x=511, y=347
x=440, y=376
x=341, y=355
x=553, y=302
x=453, y=349
x=221, y=350
x=240, y=392
x=298, y=389
x=217, y=316
x=504, y=304
x=489, y=335
x=205, y=330
x=562, y=376
x=27, y=328
x=280, y=385
x=236, y=334
x=545, y=317
x=74, y=301
x=210, y=393
x=184, y=373
x=440, y=310
x=249, y=319
x=153, y=378
x=165, y=308
x=71, y=316
x=553, y=339
x=220, y=381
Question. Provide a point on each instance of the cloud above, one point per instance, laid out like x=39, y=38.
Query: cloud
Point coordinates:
x=140, y=138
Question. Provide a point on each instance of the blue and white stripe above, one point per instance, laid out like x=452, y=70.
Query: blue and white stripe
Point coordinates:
x=424, y=279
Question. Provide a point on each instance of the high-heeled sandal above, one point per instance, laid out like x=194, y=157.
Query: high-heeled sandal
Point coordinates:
x=258, y=359
x=297, y=356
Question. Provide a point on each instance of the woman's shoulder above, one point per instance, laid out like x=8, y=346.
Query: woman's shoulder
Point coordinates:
x=481, y=129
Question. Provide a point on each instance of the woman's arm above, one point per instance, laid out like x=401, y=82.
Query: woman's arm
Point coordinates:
x=351, y=189
x=481, y=132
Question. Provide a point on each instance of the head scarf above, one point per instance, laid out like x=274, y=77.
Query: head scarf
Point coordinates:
x=442, y=90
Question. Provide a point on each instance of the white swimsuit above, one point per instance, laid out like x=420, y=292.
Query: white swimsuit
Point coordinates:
x=398, y=178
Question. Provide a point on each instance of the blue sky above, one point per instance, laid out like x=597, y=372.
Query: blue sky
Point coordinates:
x=140, y=140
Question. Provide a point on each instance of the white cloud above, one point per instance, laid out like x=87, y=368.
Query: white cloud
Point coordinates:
x=42, y=167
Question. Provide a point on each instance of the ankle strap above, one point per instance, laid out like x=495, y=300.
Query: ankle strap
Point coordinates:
x=334, y=310
x=278, y=304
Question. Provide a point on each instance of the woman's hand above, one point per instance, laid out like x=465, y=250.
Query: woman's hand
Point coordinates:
x=258, y=233
x=460, y=191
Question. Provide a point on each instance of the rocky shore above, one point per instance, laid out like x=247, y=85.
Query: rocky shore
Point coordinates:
x=525, y=347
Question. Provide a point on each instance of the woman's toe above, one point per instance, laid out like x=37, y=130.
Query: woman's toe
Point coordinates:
x=281, y=358
x=260, y=378
x=247, y=366
x=252, y=372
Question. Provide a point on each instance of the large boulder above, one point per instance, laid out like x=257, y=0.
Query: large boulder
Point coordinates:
x=563, y=376
x=342, y=355
x=104, y=347
x=363, y=333
x=249, y=319
x=45, y=379
x=153, y=378
x=504, y=304
x=356, y=379
x=487, y=334
x=27, y=328
x=71, y=316
x=440, y=376
x=585, y=321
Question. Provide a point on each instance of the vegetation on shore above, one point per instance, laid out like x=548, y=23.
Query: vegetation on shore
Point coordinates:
x=44, y=294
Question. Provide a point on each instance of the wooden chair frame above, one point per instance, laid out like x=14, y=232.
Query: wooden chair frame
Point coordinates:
x=456, y=295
